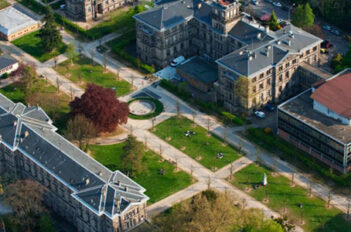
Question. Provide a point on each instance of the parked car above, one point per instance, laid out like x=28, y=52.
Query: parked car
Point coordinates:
x=286, y=7
x=326, y=44
x=177, y=61
x=326, y=27
x=270, y=107
x=63, y=6
x=270, y=1
x=283, y=23
x=260, y=114
x=255, y=2
x=277, y=4
x=324, y=51
x=335, y=32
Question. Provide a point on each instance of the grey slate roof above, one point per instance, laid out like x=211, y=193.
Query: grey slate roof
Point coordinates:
x=30, y=130
x=168, y=15
x=200, y=69
x=6, y=60
x=280, y=44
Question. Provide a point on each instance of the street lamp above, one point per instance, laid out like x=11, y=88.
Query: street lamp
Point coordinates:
x=289, y=12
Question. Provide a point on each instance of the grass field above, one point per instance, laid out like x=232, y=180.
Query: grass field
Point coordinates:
x=83, y=71
x=57, y=112
x=316, y=215
x=158, y=186
x=196, y=145
x=31, y=44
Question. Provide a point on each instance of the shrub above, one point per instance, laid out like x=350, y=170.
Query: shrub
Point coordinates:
x=267, y=130
x=5, y=75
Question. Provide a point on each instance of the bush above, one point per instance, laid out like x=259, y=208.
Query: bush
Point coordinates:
x=5, y=75
x=267, y=130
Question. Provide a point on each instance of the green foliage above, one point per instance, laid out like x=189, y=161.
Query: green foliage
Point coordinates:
x=304, y=161
x=337, y=59
x=303, y=16
x=207, y=107
x=157, y=186
x=45, y=223
x=5, y=75
x=32, y=44
x=132, y=157
x=345, y=61
x=49, y=34
x=119, y=45
x=158, y=108
x=33, y=5
x=71, y=52
x=273, y=22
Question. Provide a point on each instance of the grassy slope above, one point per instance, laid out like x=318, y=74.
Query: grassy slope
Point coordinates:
x=83, y=71
x=196, y=144
x=279, y=192
x=157, y=186
x=31, y=44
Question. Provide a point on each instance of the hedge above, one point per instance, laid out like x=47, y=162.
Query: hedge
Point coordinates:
x=158, y=108
x=206, y=107
x=289, y=152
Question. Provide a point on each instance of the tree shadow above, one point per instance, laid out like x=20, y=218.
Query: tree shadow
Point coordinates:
x=335, y=224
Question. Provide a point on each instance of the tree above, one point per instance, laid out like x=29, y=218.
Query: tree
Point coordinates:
x=80, y=129
x=315, y=29
x=26, y=200
x=212, y=211
x=101, y=106
x=28, y=78
x=45, y=223
x=303, y=16
x=71, y=52
x=133, y=153
x=48, y=101
x=49, y=34
x=309, y=15
x=241, y=90
x=273, y=22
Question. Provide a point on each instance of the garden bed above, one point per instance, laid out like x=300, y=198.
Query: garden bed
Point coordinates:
x=158, y=108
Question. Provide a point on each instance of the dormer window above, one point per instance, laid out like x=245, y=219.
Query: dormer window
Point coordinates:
x=216, y=11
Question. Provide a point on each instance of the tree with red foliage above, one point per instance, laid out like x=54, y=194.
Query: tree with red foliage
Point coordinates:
x=101, y=106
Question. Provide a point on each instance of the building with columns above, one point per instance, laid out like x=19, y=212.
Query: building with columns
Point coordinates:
x=240, y=46
x=80, y=189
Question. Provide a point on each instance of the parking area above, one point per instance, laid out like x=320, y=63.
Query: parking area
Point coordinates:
x=269, y=119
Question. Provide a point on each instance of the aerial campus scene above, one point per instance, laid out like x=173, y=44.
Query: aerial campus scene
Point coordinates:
x=175, y=115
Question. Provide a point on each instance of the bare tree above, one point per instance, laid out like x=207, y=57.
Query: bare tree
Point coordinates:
x=26, y=200
x=153, y=120
x=348, y=209
x=329, y=198
x=58, y=84
x=191, y=170
x=310, y=188
x=258, y=155
x=132, y=77
x=209, y=181
x=208, y=124
x=293, y=178
x=275, y=163
x=105, y=62
x=178, y=108
x=80, y=129
x=176, y=159
x=55, y=61
x=193, y=113
x=231, y=169
x=240, y=146
x=92, y=54
x=145, y=140
x=80, y=48
x=160, y=149
x=225, y=134
x=117, y=75
x=71, y=92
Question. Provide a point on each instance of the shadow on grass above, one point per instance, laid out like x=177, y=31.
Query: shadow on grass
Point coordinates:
x=335, y=224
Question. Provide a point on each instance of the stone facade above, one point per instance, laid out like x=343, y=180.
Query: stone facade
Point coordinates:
x=80, y=189
x=86, y=10
x=241, y=47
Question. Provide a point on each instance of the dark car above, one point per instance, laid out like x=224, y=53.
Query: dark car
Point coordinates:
x=270, y=107
x=335, y=32
x=326, y=44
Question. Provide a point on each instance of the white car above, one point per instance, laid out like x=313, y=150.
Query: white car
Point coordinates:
x=260, y=114
x=277, y=4
x=177, y=61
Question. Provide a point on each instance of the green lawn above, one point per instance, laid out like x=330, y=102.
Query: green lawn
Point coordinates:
x=58, y=112
x=196, y=145
x=83, y=71
x=158, y=186
x=31, y=44
x=3, y=4
x=280, y=194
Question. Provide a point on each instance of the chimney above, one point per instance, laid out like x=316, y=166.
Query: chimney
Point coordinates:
x=118, y=182
x=15, y=123
x=87, y=181
x=126, y=189
x=267, y=29
x=100, y=173
x=117, y=203
x=104, y=192
x=26, y=133
x=259, y=35
x=199, y=5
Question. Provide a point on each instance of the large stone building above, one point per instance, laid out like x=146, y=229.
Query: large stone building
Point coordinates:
x=80, y=189
x=86, y=10
x=318, y=121
x=240, y=46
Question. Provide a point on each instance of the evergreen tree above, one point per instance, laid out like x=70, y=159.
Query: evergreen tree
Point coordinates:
x=49, y=34
x=308, y=15
x=303, y=16
x=298, y=16
x=273, y=22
